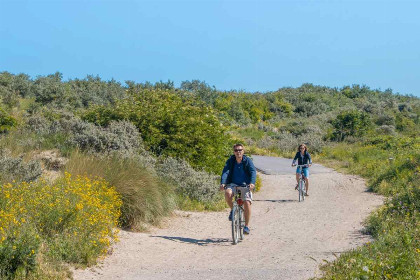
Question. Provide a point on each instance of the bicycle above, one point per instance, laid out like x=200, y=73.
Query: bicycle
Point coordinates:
x=238, y=218
x=301, y=184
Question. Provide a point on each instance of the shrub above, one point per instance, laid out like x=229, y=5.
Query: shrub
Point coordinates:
x=6, y=121
x=196, y=185
x=14, y=168
x=386, y=129
x=171, y=126
x=350, y=123
x=119, y=136
x=49, y=89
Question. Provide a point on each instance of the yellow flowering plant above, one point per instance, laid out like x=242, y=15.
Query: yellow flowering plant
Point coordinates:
x=74, y=217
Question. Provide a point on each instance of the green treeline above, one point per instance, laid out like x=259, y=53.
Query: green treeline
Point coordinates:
x=162, y=147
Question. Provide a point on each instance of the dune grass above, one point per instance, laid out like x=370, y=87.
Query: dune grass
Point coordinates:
x=146, y=198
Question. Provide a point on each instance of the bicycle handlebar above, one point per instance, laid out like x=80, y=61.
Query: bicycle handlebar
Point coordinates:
x=303, y=165
x=240, y=186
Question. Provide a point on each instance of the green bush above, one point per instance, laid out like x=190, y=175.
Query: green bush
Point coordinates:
x=6, y=121
x=15, y=168
x=350, y=123
x=171, y=126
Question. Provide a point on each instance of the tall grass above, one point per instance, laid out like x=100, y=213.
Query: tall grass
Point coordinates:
x=146, y=198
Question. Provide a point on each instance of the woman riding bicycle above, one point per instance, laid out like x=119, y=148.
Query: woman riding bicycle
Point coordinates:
x=303, y=158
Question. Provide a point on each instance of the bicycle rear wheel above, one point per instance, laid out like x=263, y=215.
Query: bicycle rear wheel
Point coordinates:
x=235, y=225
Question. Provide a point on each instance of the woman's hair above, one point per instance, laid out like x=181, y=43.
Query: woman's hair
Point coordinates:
x=302, y=145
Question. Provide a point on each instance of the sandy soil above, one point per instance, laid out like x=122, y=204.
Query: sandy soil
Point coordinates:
x=288, y=240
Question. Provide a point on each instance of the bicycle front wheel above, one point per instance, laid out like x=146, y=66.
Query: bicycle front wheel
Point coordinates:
x=235, y=225
x=301, y=196
x=241, y=223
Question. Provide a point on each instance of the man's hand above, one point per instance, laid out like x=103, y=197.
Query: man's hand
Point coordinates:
x=222, y=187
x=251, y=187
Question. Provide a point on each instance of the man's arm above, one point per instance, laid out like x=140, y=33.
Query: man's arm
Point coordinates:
x=253, y=172
x=225, y=172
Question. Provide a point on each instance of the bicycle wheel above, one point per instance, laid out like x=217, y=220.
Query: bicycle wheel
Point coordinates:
x=303, y=191
x=300, y=191
x=235, y=225
x=241, y=223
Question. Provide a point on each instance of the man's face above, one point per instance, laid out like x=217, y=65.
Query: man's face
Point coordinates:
x=239, y=151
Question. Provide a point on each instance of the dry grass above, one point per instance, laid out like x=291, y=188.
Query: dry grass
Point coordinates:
x=146, y=198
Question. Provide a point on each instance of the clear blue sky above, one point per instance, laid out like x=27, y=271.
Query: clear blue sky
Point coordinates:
x=249, y=45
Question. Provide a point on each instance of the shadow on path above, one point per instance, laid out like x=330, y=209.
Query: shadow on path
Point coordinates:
x=200, y=242
x=276, y=200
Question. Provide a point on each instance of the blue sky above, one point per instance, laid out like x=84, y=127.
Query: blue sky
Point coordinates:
x=248, y=45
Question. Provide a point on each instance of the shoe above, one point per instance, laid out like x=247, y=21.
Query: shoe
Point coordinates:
x=296, y=186
x=246, y=230
x=230, y=216
x=306, y=194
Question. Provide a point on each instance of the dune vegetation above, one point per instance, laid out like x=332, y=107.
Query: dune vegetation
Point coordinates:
x=83, y=157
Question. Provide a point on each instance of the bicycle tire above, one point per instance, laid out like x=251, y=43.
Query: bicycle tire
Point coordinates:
x=241, y=223
x=235, y=222
x=301, y=197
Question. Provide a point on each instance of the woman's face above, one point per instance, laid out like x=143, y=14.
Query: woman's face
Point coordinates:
x=302, y=149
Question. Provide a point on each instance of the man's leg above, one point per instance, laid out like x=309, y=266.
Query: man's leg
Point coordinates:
x=247, y=208
x=228, y=197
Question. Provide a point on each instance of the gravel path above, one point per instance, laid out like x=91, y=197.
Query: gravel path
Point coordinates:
x=288, y=240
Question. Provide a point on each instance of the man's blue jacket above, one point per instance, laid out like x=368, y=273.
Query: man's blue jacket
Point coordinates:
x=248, y=167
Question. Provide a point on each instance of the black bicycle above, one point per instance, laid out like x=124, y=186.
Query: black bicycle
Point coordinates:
x=238, y=218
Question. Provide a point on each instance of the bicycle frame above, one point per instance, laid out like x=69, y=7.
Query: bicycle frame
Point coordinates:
x=238, y=219
x=302, y=183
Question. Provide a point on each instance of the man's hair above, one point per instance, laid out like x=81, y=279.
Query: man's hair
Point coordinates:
x=238, y=145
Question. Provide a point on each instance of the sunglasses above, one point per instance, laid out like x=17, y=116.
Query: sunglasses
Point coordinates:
x=301, y=148
x=238, y=150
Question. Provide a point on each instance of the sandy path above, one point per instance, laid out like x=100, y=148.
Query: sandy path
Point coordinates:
x=288, y=240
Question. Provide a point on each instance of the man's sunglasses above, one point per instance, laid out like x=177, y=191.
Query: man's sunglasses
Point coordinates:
x=238, y=150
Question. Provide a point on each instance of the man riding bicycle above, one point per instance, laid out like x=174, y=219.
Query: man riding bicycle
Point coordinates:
x=239, y=169
x=303, y=158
